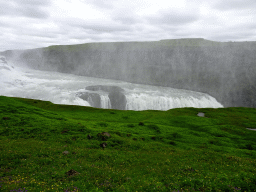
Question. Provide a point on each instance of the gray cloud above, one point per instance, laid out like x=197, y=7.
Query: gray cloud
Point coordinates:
x=96, y=26
x=126, y=19
x=34, y=13
x=234, y=4
x=39, y=23
x=172, y=18
x=33, y=2
x=25, y=8
x=100, y=3
x=105, y=27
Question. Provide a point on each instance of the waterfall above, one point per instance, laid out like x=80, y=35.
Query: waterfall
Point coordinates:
x=99, y=93
x=142, y=101
x=105, y=102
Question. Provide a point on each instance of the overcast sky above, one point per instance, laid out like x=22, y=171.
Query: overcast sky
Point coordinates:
x=26, y=24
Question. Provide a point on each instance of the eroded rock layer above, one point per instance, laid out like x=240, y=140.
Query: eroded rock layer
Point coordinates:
x=114, y=93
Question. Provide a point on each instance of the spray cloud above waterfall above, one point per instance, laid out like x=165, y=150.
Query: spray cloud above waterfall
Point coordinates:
x=224, y=70
x=70, y=89
x=31, y=24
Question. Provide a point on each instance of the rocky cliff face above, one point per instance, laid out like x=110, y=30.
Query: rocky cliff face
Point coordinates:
x=226, y=71
x=115, y=94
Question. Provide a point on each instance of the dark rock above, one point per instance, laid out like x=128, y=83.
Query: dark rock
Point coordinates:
x=117, y=100
x=81, y=130
x=154, y=138
x=103, y=145
x=89, y=136
x=248, y=146
x=104, y=139
x=64, y=131
x=188, y=170
x=92, y=98
x=141, y=123
x=106, y=134
x=72, y=173
x=172, y=143
x=74, y=138
x=115, y=94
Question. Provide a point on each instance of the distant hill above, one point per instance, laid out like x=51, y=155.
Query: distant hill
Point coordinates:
x=225, y=70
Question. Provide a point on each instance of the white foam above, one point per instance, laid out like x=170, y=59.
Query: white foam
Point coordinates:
x=140, y=101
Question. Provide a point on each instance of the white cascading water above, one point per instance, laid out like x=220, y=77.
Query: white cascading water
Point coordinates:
x=90, y=100
x=59, y=88
x=105, y=102
x=143, y=102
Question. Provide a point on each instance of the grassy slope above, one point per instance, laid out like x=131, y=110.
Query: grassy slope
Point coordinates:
x=147, y=151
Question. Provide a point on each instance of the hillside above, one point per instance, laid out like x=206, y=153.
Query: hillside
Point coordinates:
x=48, y=147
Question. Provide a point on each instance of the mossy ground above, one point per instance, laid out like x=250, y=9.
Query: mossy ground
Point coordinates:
x=147, y=151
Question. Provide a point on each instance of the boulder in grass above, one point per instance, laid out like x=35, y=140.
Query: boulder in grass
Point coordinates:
x=103, y=145
x=253, y=129
x=89, y=136
x=104, y=139
x=65, y=152
x=74, y=138
x=200, y=114
x=71, y=173
x=64, y=131
x=106, y=134
x=141, y=124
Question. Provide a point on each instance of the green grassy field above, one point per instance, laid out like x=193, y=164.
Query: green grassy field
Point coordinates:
x=45, y=147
